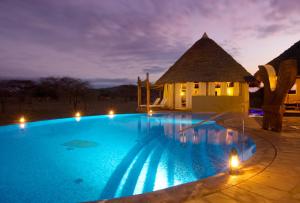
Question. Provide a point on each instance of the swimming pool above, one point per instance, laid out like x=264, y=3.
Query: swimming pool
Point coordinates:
x=102, y=157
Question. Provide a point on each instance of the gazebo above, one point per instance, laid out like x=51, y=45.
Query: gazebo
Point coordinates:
x=205, y=79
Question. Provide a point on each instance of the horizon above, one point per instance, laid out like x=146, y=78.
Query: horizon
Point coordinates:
x=112, y=43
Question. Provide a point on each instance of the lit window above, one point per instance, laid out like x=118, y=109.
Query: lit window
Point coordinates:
x=217, y=89
x=196, y=88
x=229, y=90
x=230, y=84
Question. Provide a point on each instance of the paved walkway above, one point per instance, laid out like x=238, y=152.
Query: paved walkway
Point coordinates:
x=271, y=175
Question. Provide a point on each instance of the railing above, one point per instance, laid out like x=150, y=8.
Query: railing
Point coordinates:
x=212, y=118
x=202, y=122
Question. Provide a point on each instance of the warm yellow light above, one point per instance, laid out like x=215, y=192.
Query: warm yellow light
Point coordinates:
x=234, y=161
x=182, y=93
x=229, y=91
x=22, y=119
x=111, y=114
x=150, y=112
x=78, y=116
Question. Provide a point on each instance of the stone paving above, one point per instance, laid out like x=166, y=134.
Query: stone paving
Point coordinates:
x=271, y=175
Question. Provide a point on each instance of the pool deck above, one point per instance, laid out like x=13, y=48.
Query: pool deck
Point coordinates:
x=271, y=175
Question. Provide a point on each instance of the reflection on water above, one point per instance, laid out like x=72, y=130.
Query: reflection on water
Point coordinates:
x=163, y=157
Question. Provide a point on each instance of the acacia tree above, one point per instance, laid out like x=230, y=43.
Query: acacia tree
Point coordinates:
x=75, y=90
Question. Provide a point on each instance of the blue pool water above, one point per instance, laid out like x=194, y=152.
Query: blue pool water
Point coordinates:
x=102, y=157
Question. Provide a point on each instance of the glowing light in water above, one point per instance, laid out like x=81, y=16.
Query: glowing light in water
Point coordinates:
x=78, y=116
x=22, y=125
x=22, y=122
x=111, y=114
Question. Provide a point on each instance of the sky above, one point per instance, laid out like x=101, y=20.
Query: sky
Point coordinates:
x=111, y=42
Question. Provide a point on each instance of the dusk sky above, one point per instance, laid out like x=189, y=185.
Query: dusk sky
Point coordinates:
x=114, y=41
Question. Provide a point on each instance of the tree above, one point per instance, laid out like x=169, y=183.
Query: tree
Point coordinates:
x=5, y=93
x=75, y=90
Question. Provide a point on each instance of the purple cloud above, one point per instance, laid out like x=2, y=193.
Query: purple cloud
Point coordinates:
x=126, y=38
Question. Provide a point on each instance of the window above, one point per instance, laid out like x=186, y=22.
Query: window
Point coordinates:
x=217, y=89
x=293, y=89
x=230, y=84
x=183, y=95
x=196, y=89
x=229, y=90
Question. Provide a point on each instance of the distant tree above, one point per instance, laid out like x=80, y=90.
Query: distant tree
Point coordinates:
x=75, y=90
x=21, y=89
x=47, y=88
x=5, y=93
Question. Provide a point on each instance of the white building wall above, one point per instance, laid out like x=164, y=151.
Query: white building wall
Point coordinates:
x=177, y=96
x=189, y=93
x=202, y=88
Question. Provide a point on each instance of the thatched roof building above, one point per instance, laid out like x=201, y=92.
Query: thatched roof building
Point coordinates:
x=205, y=79
x=205, y=61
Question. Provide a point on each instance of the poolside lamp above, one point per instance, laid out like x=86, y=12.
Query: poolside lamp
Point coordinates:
x=77, y=116
x=111, y=113
x=22, y=122
x=150, y=112
x=234, y=161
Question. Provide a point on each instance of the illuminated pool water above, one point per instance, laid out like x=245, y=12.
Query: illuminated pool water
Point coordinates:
x=102, y=157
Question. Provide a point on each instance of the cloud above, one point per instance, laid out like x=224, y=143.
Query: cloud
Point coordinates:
x=106, y=39
x=107, y=82
x=265, y=31
x=154, y=69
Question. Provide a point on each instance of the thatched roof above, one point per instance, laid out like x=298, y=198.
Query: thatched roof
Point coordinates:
x=205, y=61
x=291, y=53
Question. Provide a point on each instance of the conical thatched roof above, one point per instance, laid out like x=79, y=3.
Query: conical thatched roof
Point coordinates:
x=205, y=61
x=291, y=53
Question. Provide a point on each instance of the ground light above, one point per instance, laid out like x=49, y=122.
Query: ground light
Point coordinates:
x=77, y=116
x=234, y=162
x=111, y=113
x=22, y=122
x=150, y=112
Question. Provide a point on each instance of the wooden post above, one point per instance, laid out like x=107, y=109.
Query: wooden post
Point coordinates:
x=139, y=94
x=148, y=92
